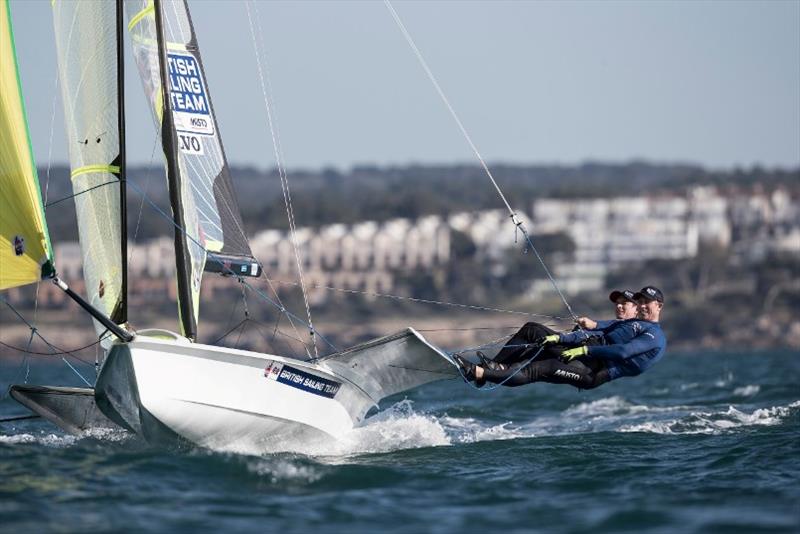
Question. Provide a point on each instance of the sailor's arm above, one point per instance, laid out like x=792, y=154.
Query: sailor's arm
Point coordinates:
x=588, y=323
x=642, y=343
x=577, y=337
x=581, y=336
x=602, y=325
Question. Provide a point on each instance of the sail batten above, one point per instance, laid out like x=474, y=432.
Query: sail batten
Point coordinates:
x=204, y=206
x=90, y=70
x=25, y=250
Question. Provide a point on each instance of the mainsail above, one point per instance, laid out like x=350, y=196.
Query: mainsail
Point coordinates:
x=209, y=233
x=89, y=45
x=25, y=251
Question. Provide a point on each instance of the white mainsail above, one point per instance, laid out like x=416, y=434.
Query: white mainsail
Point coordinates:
x=203, y=202
x=90, y=73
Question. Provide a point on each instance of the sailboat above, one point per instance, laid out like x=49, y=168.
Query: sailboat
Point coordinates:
x=163, y=385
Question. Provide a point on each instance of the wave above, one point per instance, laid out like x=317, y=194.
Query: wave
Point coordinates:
x=284, y=471
x=715, y=422
x=747, y=391
x=48, y=440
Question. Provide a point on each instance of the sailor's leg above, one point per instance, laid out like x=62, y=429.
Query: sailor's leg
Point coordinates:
x=514, y=351
x=552, y=371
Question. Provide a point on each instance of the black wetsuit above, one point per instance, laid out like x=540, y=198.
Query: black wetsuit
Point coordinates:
x=583, y=373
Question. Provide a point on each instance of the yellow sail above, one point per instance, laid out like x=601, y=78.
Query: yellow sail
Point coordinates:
x=25, y=251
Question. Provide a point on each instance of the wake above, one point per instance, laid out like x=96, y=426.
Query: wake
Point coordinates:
x=402, y=426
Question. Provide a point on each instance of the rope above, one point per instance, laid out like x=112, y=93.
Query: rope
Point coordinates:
x=509, y=377
x=466, y=135
x=287, y=196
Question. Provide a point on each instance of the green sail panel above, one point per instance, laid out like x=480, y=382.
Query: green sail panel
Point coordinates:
x=25, y=251
x=203, y=200
x=90, y=72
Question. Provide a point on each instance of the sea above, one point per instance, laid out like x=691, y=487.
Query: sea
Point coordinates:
x=702, y=442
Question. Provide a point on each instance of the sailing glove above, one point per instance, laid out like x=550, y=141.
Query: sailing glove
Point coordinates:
x=577, y=352
x=552, y=338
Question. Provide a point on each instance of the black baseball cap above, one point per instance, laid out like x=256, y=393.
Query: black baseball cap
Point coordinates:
x=627, y=294
x=650, y=293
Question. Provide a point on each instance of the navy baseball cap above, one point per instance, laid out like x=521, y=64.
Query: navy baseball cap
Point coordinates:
x=650, y=293
x=627, y=294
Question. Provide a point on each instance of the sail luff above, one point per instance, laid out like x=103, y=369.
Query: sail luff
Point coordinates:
x=183, y=266
x=25, y=249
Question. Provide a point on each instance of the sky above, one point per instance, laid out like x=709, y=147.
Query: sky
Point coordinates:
x=709, y=83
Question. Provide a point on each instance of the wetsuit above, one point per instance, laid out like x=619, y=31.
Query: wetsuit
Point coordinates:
x=522, y=345
x=623, y=348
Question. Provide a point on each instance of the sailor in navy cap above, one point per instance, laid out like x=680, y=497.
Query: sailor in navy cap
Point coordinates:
x=650, y=300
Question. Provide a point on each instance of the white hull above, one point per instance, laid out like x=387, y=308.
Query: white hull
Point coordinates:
x=166, y=388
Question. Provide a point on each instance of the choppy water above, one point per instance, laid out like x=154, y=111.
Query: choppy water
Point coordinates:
x=702, y=442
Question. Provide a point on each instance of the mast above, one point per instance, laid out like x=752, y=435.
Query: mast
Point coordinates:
x=183, y=267
x=120, y=315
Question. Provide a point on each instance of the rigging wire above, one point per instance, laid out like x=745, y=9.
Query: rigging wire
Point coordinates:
x=146, y=189
x=514, y=218
x=424, y=301
x=46, y=193
x=58, y=351
x=78, y=194
x=34, y=331
x=256, y=290
x=273, y=128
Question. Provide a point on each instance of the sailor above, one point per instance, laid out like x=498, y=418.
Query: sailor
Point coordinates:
x=531, y=336
x=626, y=347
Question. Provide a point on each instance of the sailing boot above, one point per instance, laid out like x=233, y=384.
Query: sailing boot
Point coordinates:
x=466, y=367
x=486, y=363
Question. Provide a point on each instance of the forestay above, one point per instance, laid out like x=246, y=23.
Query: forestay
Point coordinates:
x=25, y=251
x=202, y=197
x=90, y=70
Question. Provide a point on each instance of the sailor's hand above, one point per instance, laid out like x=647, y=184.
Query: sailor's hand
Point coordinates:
x=585, y=322
x=577, y=352
x=552, y=338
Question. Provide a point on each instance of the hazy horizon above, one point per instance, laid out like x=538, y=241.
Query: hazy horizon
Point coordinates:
x=712, y=84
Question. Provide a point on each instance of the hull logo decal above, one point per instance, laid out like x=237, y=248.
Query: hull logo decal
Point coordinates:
x=291, y=376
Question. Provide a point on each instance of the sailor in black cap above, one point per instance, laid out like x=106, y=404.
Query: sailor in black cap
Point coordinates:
x=624, y=308
x=623, y=348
